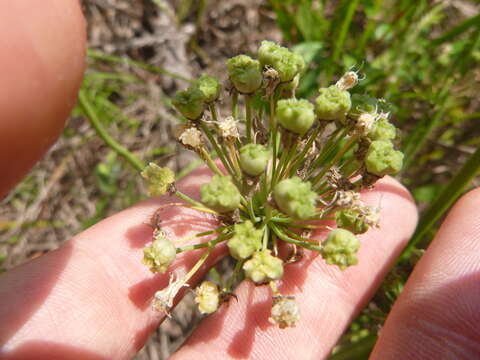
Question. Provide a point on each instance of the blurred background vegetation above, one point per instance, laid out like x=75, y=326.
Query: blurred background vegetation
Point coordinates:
x=420, y=55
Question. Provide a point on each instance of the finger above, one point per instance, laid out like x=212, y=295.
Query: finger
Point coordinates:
x=94, y=294
x=328, y=298
x=41, y=66
x=438, y=312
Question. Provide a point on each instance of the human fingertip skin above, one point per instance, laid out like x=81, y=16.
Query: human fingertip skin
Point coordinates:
x=42, y=68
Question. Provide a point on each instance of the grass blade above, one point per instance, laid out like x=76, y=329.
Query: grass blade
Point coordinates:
x=91, y=115
x=457, y=30
x=443, y=202
x=121, y=60
x=347, y=20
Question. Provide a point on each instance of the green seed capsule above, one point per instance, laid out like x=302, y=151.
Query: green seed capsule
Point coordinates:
x=210, y=88
x=159, y=255
x=332, y=103
x=382, y=130
x=190, y=103
x=382, y=159
x=246, y=241
x=295, y=197
x=351, y=220
x=295, y=115
x=245, y=73
x=254, y=158
x=158, y=179
x=220, y=194
x=288, y=64
x=341, y=248
x=263, y=267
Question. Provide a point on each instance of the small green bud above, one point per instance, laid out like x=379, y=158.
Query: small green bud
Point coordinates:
x=263, y=267
x=254, y=158
x=287, y=63
x=246, y=241
x=190, y=103
x=295, y=198
x=220, y=194
x=245, y=73
x=382, y=159
x=332, y=103
x=351, y=220
x=207, y=297
x=160, y=254
x=341, y=248
x=158, y=179
x=295, y=115
x=210, y=88
x=382, y=130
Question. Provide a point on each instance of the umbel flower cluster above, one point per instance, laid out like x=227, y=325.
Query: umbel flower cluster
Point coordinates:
x=288, y=167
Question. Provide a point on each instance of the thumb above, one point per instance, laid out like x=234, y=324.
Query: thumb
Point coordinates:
x=41, y=64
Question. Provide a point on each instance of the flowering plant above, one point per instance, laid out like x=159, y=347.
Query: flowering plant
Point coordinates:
x=288, y=166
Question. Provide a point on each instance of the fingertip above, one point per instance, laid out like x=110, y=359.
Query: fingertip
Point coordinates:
x=42, y=64
x=437, y=313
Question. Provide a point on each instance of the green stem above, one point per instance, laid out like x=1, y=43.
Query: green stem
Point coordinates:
x=208, y=159
x=273, y=128
x=301, y=157
x=188, y=199
x=248, y=117
x=209, y=244
x=236, y=271
x=290, y=240
x=332, y=142
x=288, y=162
x=199, y=263
x=218, y=150
x=235, y=105
x=349, y=144
x=102, y=132
x=266, y=235
x=283, y=159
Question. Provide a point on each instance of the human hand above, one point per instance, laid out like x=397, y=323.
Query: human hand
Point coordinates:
x=90, y=299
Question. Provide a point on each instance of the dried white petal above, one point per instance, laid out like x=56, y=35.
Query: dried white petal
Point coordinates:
x=365, y=123
x=347, y=81
x=228, y=128
x=191, y=137
x=163, y=299
x=285, y=312
x=347, y=198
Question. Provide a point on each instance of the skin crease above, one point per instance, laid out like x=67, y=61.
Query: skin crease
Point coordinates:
x=90, y=299
x=42, y=62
